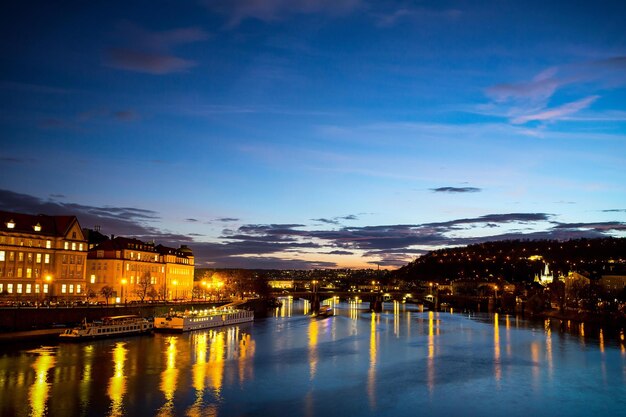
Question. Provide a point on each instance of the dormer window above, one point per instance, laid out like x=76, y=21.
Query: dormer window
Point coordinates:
x=37, y=227
x=11, y=224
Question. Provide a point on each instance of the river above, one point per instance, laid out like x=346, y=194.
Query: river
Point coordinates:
x=397, y=363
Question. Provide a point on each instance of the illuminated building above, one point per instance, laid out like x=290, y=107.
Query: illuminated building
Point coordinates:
x=136, y=270
x=546, y=277
x=41, y=257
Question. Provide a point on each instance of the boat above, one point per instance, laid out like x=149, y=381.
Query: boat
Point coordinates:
x=108, y=327
x=201, y=319
x=325, y=311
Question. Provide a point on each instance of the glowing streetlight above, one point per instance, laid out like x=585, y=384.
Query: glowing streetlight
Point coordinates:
x=123, y=282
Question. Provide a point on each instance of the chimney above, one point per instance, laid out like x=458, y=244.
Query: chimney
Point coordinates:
x=112, y=237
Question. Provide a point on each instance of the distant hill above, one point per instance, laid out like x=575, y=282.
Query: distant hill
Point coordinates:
x=518, y=260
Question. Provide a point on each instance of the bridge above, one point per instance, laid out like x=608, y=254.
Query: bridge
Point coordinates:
x=375, y=299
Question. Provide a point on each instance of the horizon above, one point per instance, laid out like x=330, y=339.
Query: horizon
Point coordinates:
x=317, y=135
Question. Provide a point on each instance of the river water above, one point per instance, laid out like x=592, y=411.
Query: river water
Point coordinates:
x=397, y=363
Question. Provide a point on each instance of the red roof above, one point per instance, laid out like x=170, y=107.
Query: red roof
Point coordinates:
x=57, y=226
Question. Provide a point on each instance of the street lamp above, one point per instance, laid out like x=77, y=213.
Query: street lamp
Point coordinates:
x=123, y=285
x=48, y=285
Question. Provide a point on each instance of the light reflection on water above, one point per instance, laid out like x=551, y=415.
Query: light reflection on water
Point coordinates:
x=356, y=362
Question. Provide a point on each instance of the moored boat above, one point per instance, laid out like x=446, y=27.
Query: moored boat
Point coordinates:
x=325, y=311
x=201, y=319
x=108, y=327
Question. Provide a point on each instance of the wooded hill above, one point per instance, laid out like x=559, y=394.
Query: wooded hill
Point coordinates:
x=518, y=260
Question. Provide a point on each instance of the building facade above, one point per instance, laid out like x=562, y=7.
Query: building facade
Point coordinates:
x=41, y=258
x=129, y=269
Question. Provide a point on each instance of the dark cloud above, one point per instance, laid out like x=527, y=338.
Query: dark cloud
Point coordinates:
x=57, y=196
x=599, y=227
x=125, y=115
x=336, y=220
x=192, y=220
x=614, y=211
x=151, y=51
x=341, y=252
x=456, y=190
x=227, y=219
x=327, y=221
x=148, y=62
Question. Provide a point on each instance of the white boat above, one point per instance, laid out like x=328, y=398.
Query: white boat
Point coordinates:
x=201, y=319
x=108, y=327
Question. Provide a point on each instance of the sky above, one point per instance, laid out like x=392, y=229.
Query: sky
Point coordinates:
x=317, y=134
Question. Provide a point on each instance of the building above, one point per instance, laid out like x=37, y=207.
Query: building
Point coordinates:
x=134, y=270
x=41, y=257
x=613, y=284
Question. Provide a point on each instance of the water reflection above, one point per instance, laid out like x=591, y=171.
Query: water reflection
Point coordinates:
x=169, y=377
x=117, y=383
x=313, y=334
x=40, y=390
x=371, y=373
x=356, y=363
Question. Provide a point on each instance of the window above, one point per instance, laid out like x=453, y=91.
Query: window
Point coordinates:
x=48, y=244
x=29, y=273
x=20, y=257
x=78, y=288
x=100, y=254
x=71, y=288
x=10, y=224
x=46, y=258
x=45, y=288
x=37, y=288
x=2, y=255
x=38, y=258
x=1, y=287
x=64, y=288
x=28, y=288
x=11, y=256
x=80, y=246
x=19, y=272
x=73, y=245
x=29, y=257
x=73, y=235
x=19, y=288
x=92, y=279
x=10, y=288
x=66, y=245
x=37, y=227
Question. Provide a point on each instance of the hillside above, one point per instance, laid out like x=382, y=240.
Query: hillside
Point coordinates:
x=518, y=260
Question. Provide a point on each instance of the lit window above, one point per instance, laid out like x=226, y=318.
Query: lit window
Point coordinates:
x=73, y=245
x=63, y=288
x=20, y=257
x=1, y=288
x=71, y=288
x=80, y=246
x=46, y=258
x=48, y=244
x=93, y=279
x=127, y=267
x=28, y=288
x=66, y=245
x=45, y=288
x=10, y=288
x=37, y=227
x=29, y=273
x=19, y=272
x=19, y=288
x=10, y=224
x=2, y=256
x=78, y=289
x=38, y=258
x=37, y=288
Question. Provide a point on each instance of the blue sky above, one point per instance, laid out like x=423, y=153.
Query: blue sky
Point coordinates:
x=302, y=134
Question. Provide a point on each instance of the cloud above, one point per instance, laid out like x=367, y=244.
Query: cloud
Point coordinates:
x=598, y=227
x=336, y=220
x=151, y=51
x=192, y=220
x=558, y=112
x=415, y=14
x=340, y=252
x=614, y=211
x=147, y=62
x=528, y=101
x=456, y=190
x=276, y=10
x=227, y=219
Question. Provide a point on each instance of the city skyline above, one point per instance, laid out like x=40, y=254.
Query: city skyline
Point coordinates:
x=283, y=134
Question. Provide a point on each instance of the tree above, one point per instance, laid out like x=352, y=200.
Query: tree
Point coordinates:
x=107, y=292
x=144, y=284
x=91, y=294
x=153, y=293
x=197, y=292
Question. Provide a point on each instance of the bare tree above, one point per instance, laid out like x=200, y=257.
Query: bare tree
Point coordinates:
x=91, y=294
x=153, y=293
x=107, y=292
x=197, y=292
x=144, y=284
